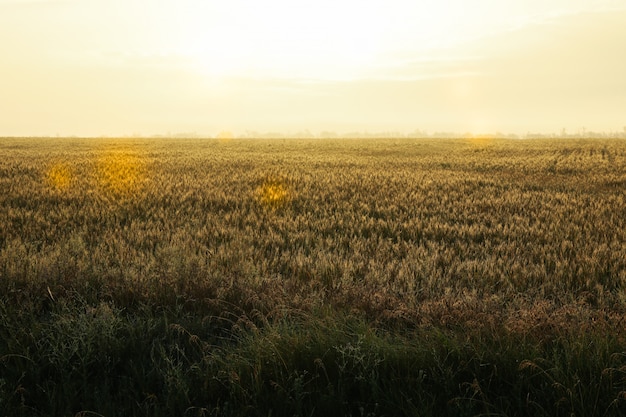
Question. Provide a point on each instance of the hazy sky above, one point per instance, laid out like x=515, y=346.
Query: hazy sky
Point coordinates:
x=115, y=67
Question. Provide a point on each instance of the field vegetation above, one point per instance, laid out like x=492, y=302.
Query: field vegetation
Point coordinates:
x=312, y=277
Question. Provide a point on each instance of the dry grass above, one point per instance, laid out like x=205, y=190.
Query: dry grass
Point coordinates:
x=388, y=225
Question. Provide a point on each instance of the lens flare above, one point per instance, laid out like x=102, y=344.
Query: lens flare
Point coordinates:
x=480, y=141
x=225, y=136
x=121, y=173
x=274, y=193
x=59, y=176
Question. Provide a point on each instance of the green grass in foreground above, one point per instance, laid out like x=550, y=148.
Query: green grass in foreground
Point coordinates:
x=352, y=278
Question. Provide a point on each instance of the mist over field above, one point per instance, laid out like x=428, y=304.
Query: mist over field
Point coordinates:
x=119, y=68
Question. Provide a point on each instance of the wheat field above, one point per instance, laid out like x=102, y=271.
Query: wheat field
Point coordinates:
x=312, y=277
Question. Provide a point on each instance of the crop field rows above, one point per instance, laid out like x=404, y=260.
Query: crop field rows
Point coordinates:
x=293, y=277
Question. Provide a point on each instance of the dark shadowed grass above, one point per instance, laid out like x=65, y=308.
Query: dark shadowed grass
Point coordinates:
x=113, y=362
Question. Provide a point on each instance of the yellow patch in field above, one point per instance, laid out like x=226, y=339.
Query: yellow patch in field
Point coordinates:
x=273, y=193
x=59, y=176
x=225, y=136
x=121, y=172
x=480, y=141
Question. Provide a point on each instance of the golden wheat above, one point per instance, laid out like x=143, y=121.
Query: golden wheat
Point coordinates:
x=452, y=231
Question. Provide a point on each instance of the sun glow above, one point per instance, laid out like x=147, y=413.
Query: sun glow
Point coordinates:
x=280, y=38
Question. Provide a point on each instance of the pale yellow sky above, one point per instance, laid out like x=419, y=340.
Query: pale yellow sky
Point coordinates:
x=118, y=67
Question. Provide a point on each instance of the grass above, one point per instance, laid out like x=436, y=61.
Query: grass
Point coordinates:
x=312, y=277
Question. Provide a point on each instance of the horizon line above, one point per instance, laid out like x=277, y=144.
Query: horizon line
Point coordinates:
x=329, y=134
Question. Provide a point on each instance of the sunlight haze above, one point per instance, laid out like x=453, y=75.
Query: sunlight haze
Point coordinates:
x=96, y=67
